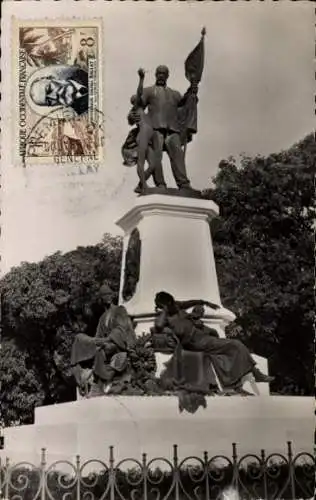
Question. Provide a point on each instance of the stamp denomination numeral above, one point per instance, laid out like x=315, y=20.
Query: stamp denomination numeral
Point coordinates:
x=87, y=41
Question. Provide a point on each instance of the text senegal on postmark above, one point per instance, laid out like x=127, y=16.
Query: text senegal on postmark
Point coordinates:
x=58, y=91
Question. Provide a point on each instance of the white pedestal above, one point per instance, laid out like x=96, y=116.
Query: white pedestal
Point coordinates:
x=176, y=256
x=134, y=425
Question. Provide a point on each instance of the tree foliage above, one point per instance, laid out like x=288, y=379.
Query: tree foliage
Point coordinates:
x=263, y=243
x=21, y=389
x=44, y=305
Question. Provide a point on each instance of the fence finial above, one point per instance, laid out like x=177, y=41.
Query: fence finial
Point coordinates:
x=235, y=456
x=111, y=451
x=43, y=457
x=175, y=454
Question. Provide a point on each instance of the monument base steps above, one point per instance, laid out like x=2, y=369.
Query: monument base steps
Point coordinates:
x=137, y=424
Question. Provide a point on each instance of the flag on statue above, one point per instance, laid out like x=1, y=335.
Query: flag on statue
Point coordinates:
x=194, y=63
x=193, y=66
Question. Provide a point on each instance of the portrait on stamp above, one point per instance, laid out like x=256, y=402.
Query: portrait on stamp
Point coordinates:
x=63, y=86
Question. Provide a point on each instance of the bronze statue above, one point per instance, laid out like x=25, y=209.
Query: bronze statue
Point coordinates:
x=144, y=138
x=168, y=124
x=99, y=361
x=230, y=358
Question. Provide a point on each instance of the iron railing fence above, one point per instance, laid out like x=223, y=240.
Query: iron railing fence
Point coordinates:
x=263, y=476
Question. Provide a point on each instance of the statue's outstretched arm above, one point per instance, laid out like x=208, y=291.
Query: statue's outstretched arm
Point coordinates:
x=138, y=100
x=186, y=304
x=140, y=88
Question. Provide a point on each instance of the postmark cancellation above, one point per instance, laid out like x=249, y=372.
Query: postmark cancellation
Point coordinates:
x=57, y=83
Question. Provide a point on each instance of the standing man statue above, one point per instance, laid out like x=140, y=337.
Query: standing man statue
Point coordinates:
x=172, y=117
x=163, y=105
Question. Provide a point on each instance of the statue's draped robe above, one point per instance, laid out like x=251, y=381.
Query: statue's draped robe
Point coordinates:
x=87, y=352
x=84, y=347
x=230, y=358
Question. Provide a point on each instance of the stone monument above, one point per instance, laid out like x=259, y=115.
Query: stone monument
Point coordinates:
x=175, y=253
x=173, y=225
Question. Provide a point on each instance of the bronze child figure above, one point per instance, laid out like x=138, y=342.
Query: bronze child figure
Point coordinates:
x=144, y=136
x=138, y=145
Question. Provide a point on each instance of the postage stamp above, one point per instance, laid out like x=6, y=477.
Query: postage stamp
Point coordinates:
x=57, y=82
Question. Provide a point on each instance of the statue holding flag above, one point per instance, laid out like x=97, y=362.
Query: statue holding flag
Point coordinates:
x=168, y=124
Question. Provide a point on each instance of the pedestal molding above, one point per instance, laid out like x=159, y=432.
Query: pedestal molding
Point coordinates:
x=161, y=204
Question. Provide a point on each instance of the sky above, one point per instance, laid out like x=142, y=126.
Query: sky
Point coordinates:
x=256, y=96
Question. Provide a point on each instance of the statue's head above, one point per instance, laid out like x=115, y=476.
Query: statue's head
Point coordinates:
x=164, y=300
x=121, y=318
x=162, y=74
x=106, y=294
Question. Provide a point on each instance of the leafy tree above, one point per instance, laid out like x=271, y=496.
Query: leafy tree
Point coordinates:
x=21, y=389
x=263, y=243
x=43, y=306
